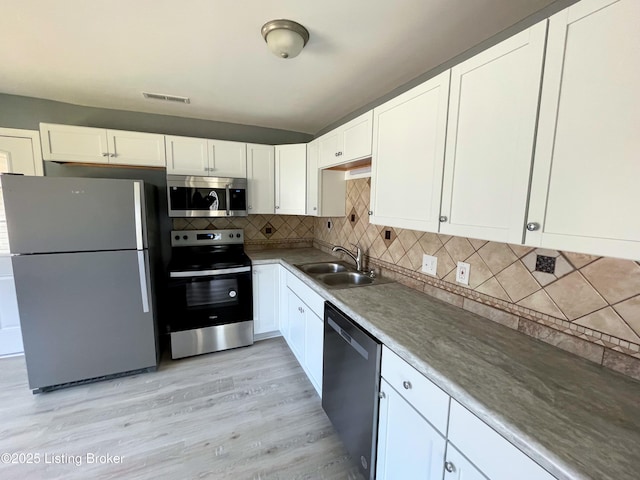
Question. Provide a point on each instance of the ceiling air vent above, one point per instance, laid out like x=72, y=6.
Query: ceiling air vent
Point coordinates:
x=166, y=98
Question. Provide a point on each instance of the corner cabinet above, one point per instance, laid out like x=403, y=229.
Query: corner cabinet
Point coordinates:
x=493, y=104
x=408, y=157
x=261, y=179
x=584, y=192
x=326, y=189
x=291, y=179
x=67, y=143
x=199, y=156
x=346, y=143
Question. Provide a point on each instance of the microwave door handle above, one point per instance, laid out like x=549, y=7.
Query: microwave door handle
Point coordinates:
x=228, y=191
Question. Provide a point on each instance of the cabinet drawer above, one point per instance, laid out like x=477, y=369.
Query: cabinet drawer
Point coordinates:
x=428, y=399
x=488, y=450
x=313, y=300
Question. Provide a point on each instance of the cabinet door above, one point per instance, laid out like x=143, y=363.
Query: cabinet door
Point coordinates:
x=493, y=106
x=66, y=143
x=408, y=446
x=187, y=156
x=356, y=137
x=297, y=326
x=135, y=148
x=227, y=159
x=408, y=155
x=261, y=179
x=584, y=192
x=291, y=179
x=459, y=468
x=329, y=145
x=313, y=180
x=266, y=296
x=314, y=341
x=20, y=152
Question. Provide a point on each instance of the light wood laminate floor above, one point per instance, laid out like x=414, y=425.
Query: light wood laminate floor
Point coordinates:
x=248, y=413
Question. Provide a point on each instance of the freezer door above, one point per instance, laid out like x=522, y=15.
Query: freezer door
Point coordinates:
x=84, y=315
x=47, y=214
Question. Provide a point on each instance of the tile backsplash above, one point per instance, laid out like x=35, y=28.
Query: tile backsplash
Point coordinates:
x=594, y=299
x=260, y=231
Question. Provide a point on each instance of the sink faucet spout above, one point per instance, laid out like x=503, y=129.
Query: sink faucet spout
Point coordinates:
x=357, y=258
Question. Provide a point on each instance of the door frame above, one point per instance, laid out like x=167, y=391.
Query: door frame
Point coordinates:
x=34, y=135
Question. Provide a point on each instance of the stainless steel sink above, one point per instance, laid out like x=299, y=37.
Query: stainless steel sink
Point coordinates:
x=324, y=267
x=335, y=275
x=346, y=279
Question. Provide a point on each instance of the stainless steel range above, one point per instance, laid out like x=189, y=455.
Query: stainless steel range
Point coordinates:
x=210, y=292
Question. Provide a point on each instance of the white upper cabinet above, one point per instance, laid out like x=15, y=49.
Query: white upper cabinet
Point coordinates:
x=313, y=179
x=67, y=143
x=199, y=156
x=227, y=159
x=326, y=189
x=348, y=142
x=493, y=105
x=584, y=192
x=187, y=156
x=291, y=179
x=408, y=156
x=261, y=179
x=134, y=148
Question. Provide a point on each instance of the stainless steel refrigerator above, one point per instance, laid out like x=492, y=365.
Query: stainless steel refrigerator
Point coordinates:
x=80, y=250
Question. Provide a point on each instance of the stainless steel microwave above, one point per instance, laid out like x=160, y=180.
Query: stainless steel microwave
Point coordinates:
x=206, y=196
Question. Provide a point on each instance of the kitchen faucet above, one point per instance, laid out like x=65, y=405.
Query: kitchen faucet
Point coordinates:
x=356, y=258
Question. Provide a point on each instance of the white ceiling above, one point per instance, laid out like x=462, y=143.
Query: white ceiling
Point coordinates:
x=105, y=53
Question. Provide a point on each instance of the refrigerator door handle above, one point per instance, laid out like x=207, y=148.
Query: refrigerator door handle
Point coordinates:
x=142, y=270
x=137, y=209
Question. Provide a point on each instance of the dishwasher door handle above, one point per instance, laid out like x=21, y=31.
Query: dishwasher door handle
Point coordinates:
x=347, y=338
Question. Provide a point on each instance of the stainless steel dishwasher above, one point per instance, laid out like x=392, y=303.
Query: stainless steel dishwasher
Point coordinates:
x=350, y=386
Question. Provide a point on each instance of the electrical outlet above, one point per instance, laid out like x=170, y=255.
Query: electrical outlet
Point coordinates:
x=429, y=264
x=462, y=273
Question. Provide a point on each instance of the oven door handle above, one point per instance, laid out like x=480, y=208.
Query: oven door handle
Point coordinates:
x=209, y=273
x=228, y=191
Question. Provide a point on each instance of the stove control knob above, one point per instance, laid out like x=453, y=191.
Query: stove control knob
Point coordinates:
x=237, y=235
x=231, y=235
x=184, y=237
x=177, y=237
x=233, y=293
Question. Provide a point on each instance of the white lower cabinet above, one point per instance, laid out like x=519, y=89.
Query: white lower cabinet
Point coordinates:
x=302, y=325
x=408, y=445
x=266, y=299
x=491, y=453
x=457, y=467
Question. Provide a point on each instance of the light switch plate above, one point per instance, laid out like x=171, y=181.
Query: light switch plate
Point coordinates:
x=429, y=264
x=462, y=273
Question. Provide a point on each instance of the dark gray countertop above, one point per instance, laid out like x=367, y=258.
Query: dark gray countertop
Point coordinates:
x=573, y=417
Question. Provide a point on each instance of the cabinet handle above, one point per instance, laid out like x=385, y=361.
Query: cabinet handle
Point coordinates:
x=113, y=155
x=407, y=385
x=277, y=207
x=449, y=467
x=533, y=226
x=382, y=395
x=105, y=154
x=339, y=154
x=315, y=208
x=443, y=218
x=336, y=154
x=370, y=212
x=250, y=207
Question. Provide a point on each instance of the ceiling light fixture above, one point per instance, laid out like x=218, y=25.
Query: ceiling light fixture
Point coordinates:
x=285, y=38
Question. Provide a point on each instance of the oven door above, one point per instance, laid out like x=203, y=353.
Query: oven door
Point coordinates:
x=208, y=298
x=206, y=196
